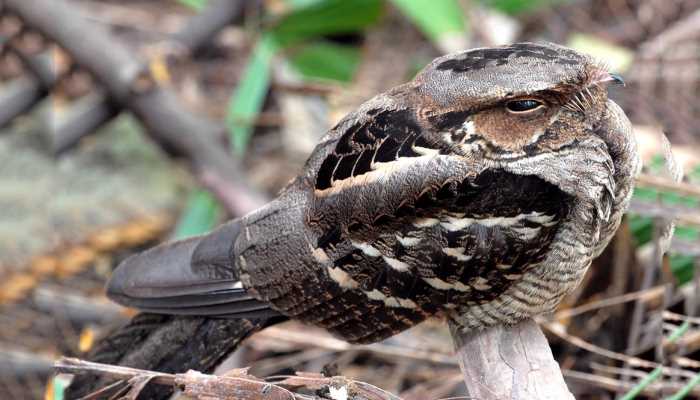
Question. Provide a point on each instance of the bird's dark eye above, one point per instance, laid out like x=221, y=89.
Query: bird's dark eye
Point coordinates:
x=522, y=106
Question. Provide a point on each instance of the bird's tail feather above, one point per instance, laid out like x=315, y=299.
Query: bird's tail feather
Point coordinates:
x=194, y=276
x=203, y=311
x=166, y=343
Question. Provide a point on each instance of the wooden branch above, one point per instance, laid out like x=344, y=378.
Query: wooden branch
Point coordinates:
x=20, y=363
x=18, y=97
x=615, y=385
x=191, y=39
x=22, y=94
x=683, y=214
x=79, y=121
x=203, y=27
x=85, y=118
x=509, y=362
x=236, y=384
x=130, y=85
x=670, y=185
x=73, y=307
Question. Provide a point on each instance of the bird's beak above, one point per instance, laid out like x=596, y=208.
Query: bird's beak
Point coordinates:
x=607, y=77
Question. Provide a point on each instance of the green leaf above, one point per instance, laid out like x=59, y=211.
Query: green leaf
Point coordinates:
x=435, y=18
x=201, y=215
x=642, y=228
x=646, y=194
x=249, y=96
x=686, y=389
x=196, y=4
x=515, y=7
x=301, y=3
x=683, y=267
x=325, y=18
x=687, y=233
x=657, y=164
x=646, y=381
x=694, y=174
x=202, y=210
x=59, y=386
x=656, y=372
x=326, y=60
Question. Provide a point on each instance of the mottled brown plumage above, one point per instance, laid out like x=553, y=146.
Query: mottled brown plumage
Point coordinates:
x=480, y=191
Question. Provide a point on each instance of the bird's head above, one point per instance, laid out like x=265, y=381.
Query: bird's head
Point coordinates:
x=516, y=101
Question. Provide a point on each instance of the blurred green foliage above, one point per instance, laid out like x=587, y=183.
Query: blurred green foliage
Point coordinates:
x=326, y=60
x=327, y=17
x=515, y=7
x=202, y=212
x=642, y=228
x=195, y=4
x=434, y=18
x=249, y=96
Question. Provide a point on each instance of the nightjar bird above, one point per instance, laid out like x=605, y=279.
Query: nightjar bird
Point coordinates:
x=480, y=191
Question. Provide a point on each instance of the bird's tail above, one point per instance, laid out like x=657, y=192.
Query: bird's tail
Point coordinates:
x=197, y=311
x=165, y=343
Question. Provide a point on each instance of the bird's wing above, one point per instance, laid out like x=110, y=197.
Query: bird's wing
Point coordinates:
x=188, y=277
x=418, y=226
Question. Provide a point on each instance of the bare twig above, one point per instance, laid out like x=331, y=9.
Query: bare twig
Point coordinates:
x=79, y=121
x=645, y=295
x=667, y=184
x=328, y=342
x=130, y=85
x=684, y=215
x=76, y=366
x=512, y=362
x=75, y=307
x=22, y=363
x=25, y=92
x=615, y=385
x=87, y=117
x=201, y=29
x=236, y=384
x=560, y=331
x=687, y=28
x=18, y=97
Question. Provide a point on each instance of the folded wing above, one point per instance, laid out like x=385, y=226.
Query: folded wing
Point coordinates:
x=188, y=277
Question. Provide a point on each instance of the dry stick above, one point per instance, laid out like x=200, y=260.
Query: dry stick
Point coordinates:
x=76, y=308
x=689, y=249
x=664, y=183
x=663, y=232
x=131, y=86
x=81, y=120
x=76, y=366
x=509, y=362
x=24, y=93
x=685, y=29
x=203, y=27
x=85, y=118
x=683, y=214
x=615, y=385
x=236, y=384
x=325, y=341
x=19, y=363
x=18, y=97
x=197, y=33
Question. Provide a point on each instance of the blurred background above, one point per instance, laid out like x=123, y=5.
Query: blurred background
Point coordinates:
x=124, y=123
